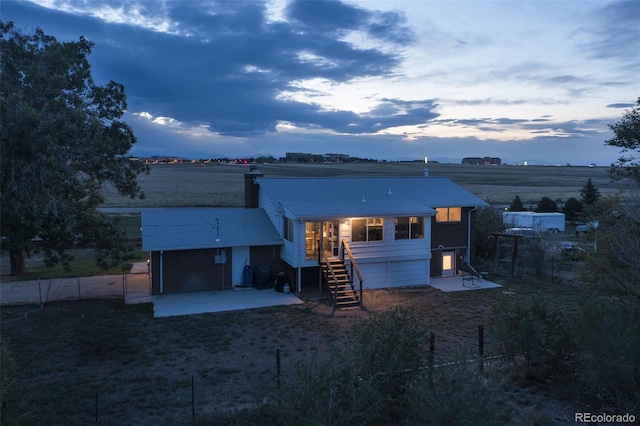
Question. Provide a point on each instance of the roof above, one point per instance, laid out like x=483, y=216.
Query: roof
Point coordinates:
x=200, y=228
x=309, y=198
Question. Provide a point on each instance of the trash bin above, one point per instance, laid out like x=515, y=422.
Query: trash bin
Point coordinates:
x=262, y=276
x=281, y=281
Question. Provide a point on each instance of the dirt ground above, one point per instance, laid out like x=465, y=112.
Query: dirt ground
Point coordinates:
x=140, y=369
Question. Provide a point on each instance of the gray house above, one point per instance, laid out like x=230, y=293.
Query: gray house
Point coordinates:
x=380, y=232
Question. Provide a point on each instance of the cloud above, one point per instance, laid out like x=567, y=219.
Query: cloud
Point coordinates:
x=225, y=76
x=621, y=105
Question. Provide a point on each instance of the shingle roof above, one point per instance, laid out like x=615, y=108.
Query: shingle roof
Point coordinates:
x=183, y=229
x=331, y=197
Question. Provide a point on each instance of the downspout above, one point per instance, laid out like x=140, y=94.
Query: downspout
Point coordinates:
x=161, y=273
x=469, y=235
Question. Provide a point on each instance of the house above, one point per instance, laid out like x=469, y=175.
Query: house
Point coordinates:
x=395, y=232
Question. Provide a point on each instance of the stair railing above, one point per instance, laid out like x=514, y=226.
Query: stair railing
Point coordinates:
x=325, y=260
x=354, y=266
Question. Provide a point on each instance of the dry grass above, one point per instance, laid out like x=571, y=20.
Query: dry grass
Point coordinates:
x=223, y=185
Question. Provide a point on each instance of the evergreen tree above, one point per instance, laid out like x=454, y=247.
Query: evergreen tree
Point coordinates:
x=516, y=205
x=590, y=194
x=572, y=209
x=546, y=205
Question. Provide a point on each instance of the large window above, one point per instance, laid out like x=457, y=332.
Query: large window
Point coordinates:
x=367, y=229
x=312, y=235
x=409, y=228
x=449, y=214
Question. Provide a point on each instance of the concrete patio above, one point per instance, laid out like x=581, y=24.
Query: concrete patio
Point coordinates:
x=167, y=305
x=461, y=283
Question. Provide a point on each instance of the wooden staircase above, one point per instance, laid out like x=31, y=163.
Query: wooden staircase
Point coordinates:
x=340, y=284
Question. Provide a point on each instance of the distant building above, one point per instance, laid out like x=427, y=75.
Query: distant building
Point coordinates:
x=298, y=156
x=336, y=158
x=484, y=161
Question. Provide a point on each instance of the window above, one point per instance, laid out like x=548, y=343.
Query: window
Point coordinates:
x=287, y=229
x=409, y=228
x=312, y=235
x=366, y=229
x=449, y=214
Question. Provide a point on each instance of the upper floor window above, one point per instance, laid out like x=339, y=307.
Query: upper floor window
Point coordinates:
x=287, y=229
x=408, y=228
x=369, y=229
x=449, y=214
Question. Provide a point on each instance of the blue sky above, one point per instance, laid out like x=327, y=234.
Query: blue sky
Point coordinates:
x=525, y=81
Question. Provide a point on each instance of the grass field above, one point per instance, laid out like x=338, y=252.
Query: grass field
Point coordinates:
x=223, y=185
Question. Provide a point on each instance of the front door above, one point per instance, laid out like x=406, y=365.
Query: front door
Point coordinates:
x=448, y=262
x=330, y=238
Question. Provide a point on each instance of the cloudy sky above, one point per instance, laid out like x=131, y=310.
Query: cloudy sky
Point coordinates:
x=525, y=81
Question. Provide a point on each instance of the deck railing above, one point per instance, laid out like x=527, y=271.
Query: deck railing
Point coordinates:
x=345, y=249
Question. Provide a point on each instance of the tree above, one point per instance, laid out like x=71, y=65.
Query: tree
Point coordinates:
x=590, y=194
x=572, y=209
x=516, y=205
x=62, y=140
x=546, y=205
x=488, y=221
x=627, y=138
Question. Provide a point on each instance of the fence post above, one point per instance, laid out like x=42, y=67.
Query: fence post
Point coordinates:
x=79, y=288
x=193, y=401
x=278, y=368
x=481, y=346
x=39, y=292
x=432, y=347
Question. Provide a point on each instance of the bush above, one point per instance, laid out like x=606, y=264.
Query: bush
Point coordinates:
x=533, y=336
x=11, y=399
x=610, y=339
x=457, y=394
x=362, y=383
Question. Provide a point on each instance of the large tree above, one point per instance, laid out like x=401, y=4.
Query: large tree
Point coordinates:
x=62, y=140
x=627, y=138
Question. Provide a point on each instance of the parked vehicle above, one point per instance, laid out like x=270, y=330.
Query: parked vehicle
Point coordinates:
x=587, y=228
x=527, y=233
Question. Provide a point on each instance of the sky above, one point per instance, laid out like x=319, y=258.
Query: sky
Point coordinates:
x=534, y=82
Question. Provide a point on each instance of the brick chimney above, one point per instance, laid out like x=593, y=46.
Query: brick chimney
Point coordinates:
x=251, y=188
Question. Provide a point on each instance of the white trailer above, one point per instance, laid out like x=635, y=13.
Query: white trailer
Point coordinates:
x=541, y=222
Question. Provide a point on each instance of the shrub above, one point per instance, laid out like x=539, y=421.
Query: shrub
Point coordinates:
x=362, y=383
x=11, y=400
x=457, y=394
x=533, y=336
x=610, y=339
